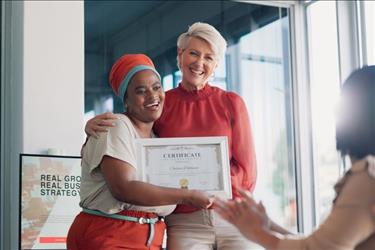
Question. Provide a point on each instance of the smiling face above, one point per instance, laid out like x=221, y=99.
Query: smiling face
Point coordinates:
x=144, y=97
x=197, y=63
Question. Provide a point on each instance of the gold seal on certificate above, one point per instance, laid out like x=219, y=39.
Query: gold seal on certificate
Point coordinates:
x=200, y=163
x=184, y=183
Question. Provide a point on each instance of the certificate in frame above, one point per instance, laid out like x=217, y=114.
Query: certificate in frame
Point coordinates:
x=200, y=163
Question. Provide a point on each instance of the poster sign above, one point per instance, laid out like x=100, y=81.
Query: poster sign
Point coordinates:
x=49, y=199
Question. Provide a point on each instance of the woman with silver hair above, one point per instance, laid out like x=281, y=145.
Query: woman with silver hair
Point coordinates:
x=195, y=108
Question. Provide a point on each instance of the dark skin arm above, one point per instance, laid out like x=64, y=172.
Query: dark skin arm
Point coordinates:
x=121, y=180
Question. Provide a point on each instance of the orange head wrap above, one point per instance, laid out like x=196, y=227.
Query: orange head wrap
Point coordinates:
x=125, y=68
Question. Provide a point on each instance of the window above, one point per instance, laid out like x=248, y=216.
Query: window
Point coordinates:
x=264, y=83
x=324, y=90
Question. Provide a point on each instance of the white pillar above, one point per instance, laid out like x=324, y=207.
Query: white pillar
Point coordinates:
x=53, y=106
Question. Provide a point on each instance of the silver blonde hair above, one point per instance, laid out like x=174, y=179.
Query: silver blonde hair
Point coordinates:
x=206, y=32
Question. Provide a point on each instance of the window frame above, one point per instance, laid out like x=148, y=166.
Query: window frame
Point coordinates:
x=351, y=56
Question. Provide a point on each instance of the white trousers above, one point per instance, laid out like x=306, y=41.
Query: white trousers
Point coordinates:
x=204, y=230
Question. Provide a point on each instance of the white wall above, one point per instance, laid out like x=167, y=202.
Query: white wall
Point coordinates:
x=53, y=102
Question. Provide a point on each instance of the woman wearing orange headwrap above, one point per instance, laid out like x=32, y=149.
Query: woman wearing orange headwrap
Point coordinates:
x=120, y=211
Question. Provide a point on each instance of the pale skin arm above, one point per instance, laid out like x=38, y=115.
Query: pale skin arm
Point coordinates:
x=251, y=219
x=99, y=123
x=349, y=223
x=121, y=180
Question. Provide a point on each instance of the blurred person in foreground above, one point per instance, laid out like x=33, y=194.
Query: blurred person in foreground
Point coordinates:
x=351, y=222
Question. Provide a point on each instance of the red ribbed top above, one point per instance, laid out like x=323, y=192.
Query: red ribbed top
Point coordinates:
x=212, y=111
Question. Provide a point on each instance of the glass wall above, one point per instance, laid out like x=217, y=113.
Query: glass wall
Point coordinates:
x=324, y=91
x=264, y=82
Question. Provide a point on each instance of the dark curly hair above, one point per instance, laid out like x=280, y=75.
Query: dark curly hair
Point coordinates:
x=355, y=126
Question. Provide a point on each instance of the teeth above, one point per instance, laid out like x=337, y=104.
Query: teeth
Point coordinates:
x=152, y=104
x=197, y=71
